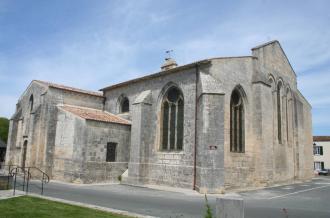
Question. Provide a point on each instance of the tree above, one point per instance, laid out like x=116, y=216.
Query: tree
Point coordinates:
x=4, y=127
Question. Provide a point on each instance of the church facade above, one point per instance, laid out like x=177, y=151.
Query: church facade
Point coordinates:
x=211, y=125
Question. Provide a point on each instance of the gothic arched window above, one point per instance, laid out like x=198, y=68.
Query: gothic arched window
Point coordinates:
x=172, y=120
x=124, y=105
x=31, y=103
x=237, y=122
x=279, y=113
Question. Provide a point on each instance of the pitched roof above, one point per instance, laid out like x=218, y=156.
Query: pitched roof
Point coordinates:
x=178, y=69
x=68, y=88
x=155, y=75
x=321, y=138
x=2, y=144
x=94, y=114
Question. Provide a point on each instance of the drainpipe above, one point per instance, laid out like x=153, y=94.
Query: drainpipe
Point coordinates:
x=195, y=143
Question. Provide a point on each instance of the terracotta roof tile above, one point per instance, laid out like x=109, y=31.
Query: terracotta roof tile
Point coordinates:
x=94, y=114
x=68, y=88
x=321, y=138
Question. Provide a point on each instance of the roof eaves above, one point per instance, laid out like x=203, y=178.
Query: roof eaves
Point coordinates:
x=321, y=138
x=158, y=74
x=68, y=88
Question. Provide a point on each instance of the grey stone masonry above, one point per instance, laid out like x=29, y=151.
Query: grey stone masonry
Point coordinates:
x=138, y=154
x=229, y=207
x=215, y=144
x=210, y=136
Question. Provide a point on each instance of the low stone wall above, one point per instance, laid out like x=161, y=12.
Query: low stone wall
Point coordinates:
x=6, y=182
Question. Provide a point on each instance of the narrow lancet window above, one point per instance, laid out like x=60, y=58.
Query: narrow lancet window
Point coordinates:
x=31, y=103
x=279, y=113
x=172, y=120
x=237, y=130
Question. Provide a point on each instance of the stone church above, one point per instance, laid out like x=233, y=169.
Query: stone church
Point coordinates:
x=215, y=124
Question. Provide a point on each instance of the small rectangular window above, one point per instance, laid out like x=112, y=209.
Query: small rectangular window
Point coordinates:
x=318, y=165
x=318, y=150
x=111, y=152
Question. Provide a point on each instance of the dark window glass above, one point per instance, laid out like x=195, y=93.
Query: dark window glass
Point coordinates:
x=180, y=125
x=237, y=123
x=165, y=125
x=111, y=152
x=172, y=118
x=31, y=103
x=173, y=95
x=279, y=114
x=125, y=105
x=173, y=127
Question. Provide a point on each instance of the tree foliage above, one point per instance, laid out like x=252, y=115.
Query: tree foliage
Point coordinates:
x=4, y=127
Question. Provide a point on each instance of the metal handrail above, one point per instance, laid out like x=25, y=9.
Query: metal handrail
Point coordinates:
x=14, y=172
x=45, y=178
x=43, y=174
x=27, y=177
x=3, y=166
x=8, y=165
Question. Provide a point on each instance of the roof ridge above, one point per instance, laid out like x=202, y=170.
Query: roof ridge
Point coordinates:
x=69, y=88
x=265, y=44
x=98, y=115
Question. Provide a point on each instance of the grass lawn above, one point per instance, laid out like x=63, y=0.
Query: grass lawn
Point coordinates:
x=33, y=207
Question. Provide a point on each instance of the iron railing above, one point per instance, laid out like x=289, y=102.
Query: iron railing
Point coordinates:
x=26, y=174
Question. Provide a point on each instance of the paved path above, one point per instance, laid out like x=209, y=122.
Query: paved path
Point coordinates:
x=310, y=199
x=5, y=194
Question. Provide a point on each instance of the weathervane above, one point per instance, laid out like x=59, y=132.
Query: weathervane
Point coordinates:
x=168, y=52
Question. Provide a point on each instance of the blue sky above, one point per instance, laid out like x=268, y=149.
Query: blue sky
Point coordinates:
x=93, y=44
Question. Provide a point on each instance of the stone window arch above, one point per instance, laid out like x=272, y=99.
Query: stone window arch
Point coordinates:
x=279, y=111
x=31, y=103
x=172, y=118
x=237, y=122
x=124, y=107
x=271, y=81
x=123, y=104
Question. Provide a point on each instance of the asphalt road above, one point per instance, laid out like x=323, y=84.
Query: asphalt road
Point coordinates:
x=304, y=200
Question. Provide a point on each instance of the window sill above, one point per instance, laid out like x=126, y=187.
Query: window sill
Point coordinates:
x=170, y=152
x=237, y=154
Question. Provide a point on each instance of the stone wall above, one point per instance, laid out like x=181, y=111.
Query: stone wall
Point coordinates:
x=38, y=127
x=73, y=149
x=267, y=160
x=24, y=125
x=161, y=167
x=81, y=147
